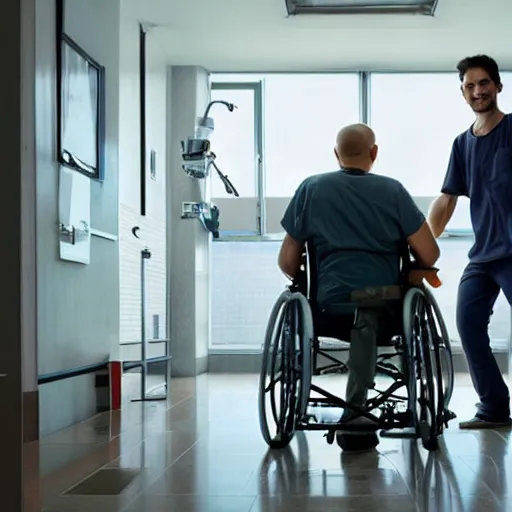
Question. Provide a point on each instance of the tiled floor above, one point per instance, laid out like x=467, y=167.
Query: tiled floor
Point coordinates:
x=203, y=452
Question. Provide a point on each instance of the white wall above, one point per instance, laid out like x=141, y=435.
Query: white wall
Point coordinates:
x=78, y=305
x=152, y=226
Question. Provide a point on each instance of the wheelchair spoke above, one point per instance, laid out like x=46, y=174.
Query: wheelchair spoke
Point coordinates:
x=282, y=394
x=442, y=349
x=277, y=353
x=426, y=397
x=282, y=365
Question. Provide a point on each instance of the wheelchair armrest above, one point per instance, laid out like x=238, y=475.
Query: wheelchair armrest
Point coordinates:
x=376, y=296
x=415, y=265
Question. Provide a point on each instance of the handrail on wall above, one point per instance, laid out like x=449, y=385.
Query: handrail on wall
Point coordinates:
x=74, y=372
x=92, y=368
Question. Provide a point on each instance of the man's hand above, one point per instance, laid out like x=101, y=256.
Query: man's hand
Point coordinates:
x=290, y=256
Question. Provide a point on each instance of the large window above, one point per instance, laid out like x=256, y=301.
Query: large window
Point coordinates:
x=233, y=139
x=302, y=115
x=416, y=118
x=283, y=131
x=235, y=143
x=246, y=282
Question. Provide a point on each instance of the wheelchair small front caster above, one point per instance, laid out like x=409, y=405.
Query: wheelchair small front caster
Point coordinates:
x=330, y=437
x=448, y=416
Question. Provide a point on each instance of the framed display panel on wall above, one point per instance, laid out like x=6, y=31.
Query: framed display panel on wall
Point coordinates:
x=81, y=130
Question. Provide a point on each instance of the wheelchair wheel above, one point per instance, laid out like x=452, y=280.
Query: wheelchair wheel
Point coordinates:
x=422, y=385
x=285, y=378
x=444, y=357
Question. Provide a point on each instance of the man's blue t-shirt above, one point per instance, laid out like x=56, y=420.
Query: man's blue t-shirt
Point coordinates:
x=480, y=168
x=355, y=221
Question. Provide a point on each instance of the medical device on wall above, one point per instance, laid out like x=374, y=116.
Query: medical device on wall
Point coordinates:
x=198, y=160
x=196, y=154
x=207, y=213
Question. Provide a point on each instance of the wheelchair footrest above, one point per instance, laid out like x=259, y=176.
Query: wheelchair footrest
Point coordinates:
x=400, y=433
x=340, y=368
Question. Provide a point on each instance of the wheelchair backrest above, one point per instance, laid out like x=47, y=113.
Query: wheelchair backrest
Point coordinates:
x=306, y=280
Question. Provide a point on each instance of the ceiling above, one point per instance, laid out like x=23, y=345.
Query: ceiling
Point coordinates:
x=257, y=35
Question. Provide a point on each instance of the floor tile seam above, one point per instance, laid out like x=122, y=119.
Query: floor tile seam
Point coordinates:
x=75, y=426
x=325, y=497
x=155, y=478
x=98, y=444
x=129, y=501
x=97, y=470
x=479, y=479
x=407, y=486
x=74, y=463
x=180, y=402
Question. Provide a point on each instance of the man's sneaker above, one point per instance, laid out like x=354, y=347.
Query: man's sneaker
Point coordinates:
x=477, y=423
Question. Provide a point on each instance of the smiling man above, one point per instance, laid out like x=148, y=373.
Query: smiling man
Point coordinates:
x=480, y=168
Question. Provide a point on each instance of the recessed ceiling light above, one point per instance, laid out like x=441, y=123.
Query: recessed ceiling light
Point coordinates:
x=425, y=7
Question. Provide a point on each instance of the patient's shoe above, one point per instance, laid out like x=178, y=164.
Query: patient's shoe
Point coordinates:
x=357, y=441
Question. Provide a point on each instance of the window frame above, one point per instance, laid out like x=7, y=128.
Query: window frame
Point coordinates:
x=256, y=88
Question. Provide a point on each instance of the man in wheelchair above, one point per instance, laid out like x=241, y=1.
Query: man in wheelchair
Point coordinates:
x=355, y=221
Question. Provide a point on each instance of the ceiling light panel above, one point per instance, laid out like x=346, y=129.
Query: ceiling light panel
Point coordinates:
x=425, y=7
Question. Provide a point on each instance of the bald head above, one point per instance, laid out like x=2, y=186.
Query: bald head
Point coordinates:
x=355, y=146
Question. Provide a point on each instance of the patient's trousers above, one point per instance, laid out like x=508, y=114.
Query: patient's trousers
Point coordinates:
x=363, y=356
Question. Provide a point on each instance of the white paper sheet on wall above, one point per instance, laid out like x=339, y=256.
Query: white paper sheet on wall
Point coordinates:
x=74, y=216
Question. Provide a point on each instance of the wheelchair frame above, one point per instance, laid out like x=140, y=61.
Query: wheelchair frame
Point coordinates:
x=422, y=343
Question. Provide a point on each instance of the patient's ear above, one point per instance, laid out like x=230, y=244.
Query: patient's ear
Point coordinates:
x=374, y=152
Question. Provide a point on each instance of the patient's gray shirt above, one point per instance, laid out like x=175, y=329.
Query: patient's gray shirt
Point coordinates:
x=355, y=221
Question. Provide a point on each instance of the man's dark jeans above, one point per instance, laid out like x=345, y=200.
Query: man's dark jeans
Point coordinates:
x=478, y=290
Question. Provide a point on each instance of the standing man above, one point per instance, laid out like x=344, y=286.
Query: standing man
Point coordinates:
x=480, y=168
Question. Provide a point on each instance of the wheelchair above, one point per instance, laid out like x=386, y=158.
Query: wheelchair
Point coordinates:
x=414, y=356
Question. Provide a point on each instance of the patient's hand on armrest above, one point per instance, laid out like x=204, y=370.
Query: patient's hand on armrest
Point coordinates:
x=419, y=273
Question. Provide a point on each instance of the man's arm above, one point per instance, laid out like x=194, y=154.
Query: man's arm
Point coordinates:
x=440, y=213
x=416, y=231
x=290, y=256
x=441, y=210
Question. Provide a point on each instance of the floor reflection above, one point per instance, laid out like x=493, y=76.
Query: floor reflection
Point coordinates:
x=400, y=477
x=203, y=452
